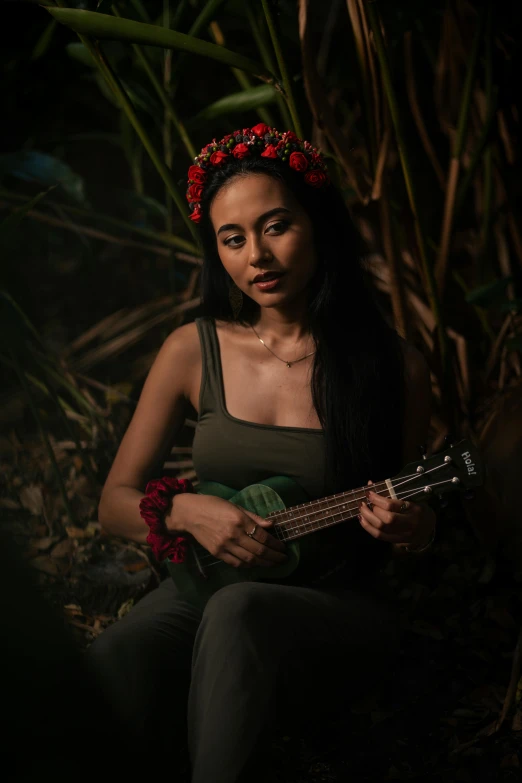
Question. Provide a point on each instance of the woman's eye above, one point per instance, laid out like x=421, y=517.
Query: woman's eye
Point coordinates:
x=236, y=240
x=279, y=226
x=231, y=243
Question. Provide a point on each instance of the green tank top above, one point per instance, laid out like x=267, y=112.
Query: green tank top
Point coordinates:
x=238, y=453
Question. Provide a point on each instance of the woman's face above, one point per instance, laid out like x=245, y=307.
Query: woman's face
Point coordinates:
x=261, y=227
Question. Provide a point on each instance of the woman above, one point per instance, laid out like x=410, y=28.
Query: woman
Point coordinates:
x=306, y=381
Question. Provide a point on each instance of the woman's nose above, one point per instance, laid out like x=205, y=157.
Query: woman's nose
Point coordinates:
x=257, y=250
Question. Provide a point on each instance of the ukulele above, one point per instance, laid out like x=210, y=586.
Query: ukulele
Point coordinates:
x=297, y=521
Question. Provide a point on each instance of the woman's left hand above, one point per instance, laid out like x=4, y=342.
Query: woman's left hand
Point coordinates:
x=397, y=521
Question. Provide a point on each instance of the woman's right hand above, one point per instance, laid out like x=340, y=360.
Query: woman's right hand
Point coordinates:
x=221, y=528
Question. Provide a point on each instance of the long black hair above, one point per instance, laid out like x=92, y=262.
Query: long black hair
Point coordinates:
x=357, y=377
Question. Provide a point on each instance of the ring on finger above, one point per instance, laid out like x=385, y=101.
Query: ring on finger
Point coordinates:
x=405, y=506
x=252, y=532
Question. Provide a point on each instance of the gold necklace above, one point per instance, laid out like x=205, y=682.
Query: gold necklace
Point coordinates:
x=288, y=364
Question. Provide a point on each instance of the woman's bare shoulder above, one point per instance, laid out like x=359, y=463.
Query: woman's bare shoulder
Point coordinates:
x=181, y=349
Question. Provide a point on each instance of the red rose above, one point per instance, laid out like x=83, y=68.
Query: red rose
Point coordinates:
x=195, y=192
x=218, y=157
x=317, y=178
x=196, y=174
x=241, y=151
x=260, y=129
x=270, y=152
x=196, y=214
x=298, y=161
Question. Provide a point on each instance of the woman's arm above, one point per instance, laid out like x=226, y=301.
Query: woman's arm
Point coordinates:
x=159, y=416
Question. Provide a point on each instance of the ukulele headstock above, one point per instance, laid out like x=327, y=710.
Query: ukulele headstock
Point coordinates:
x=459, y=467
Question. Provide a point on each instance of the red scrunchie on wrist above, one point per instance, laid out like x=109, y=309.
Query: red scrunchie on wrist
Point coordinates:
x=152, y=509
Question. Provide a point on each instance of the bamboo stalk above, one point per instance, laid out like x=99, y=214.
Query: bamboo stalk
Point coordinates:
x=427, y=270
x=94, y=233
x=163, y=171
x=287, y=87
x=374, y=79
x=242, y=78
x=322, y=110
x=167, y=145
x=397, y=296
x=161, y=93
x=167, y=239
x=203, y=20
x=268, y=60
x=361, y=50
x=447, y=222
x=441, y=263
x=123, y=100
x=381, y=162
x=415, y=109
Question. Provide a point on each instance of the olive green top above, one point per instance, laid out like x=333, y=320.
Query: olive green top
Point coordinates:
x=238, y=453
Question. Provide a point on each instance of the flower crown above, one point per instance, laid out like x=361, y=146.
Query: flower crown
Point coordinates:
x=261, y=141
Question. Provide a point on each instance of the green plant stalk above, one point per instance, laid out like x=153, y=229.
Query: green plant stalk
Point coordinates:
x=182, y=4
x=476, y=156
x=167, y=145
x=162, y=95
x=460, y=138
x=360, y=53
x=427, y=269
x=479, y=311
x=263, y=113
x=163, y=238
x=487, y=207
x=126, y=105
x=114, y=83
x=140, y=10
x=268, y=61
x=202, y=20
x=287, y=87
x=39, y=423
x=103, y=26
x=242, y=78
x=462, y=126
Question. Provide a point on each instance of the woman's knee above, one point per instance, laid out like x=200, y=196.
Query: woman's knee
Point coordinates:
x=240, y=602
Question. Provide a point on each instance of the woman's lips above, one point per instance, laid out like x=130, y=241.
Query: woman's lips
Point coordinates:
x=268, y=284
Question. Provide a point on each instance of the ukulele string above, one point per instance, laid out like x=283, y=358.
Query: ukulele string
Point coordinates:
x=357, y=498
x=404, y=495
x=399, y=496
x=222, y=562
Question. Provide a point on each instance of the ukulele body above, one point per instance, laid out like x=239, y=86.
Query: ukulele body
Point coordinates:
x=201, y=575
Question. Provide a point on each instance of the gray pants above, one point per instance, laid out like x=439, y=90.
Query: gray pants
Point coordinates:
x=220, y=678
